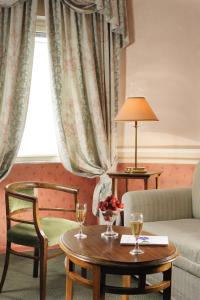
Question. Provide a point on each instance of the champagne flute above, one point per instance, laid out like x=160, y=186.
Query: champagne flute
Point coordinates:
x=136, y=223
x=81, y=210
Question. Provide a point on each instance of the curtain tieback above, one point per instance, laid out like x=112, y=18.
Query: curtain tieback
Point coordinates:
x=101, y=191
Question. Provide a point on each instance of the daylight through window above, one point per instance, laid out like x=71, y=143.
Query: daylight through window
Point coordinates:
x=39, y=139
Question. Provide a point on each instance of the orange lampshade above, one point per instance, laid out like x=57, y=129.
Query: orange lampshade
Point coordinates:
x=136, y=109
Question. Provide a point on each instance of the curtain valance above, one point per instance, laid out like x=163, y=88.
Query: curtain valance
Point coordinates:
x=83, y=6
x=115, y=13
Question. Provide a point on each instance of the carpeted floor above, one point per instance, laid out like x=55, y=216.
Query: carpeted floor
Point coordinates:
x=20, y=285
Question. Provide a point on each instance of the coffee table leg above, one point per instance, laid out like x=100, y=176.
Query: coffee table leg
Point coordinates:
x=126, y=280
x=69, y=283
x=167, y=275
x=69, y=289
x=98, y=282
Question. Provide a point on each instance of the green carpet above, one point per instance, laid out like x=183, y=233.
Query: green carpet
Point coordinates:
x=20, y=285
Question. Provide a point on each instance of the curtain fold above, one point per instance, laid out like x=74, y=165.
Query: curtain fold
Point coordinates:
x=85, y=54
x=6, y=3
x=114, y=12
x=17, y=32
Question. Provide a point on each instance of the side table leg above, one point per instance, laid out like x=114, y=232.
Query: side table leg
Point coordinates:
x=167, y=275
x=146, y=183
x=114, y=186
x=126, y=181
x=157, y=178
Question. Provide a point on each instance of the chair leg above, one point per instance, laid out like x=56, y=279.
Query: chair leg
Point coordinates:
x=6, y=263
x=43, y=271
x=36, y=263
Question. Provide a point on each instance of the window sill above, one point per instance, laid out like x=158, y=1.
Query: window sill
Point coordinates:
x=37, y=159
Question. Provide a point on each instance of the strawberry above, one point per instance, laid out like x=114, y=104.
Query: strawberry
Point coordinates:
x=111, y=203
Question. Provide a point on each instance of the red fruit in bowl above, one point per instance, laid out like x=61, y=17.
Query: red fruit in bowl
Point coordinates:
x=108, y=199
x=109, y=215
x=109, y=206
x=100, y=204
x=111, y=203
x=122, y=205
x=114, y=199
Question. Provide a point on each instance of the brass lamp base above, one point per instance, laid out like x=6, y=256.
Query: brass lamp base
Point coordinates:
x=135, y=170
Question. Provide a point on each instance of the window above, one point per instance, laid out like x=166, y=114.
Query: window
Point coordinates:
x=39, y=138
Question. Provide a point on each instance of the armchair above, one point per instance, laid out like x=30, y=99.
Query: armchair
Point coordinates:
x=176, y=213
x=32, y=230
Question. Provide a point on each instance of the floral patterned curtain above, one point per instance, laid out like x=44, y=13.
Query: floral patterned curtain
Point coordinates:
x=7, y=3
x=114, y=12
x=85, y=38
x=17, y=31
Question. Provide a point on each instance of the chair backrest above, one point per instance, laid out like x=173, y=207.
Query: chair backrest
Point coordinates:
x=196, y=192
x=21, y=197
x=14, y=192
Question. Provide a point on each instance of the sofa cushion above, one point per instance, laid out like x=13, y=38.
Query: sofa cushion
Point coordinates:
x=185, y=234
x=196, y=192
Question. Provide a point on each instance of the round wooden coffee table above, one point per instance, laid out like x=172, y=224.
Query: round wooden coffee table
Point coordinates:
x=106, y=256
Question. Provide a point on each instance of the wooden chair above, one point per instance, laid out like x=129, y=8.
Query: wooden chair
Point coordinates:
x=36, y=232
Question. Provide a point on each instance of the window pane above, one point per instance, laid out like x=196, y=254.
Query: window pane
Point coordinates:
x=39, y=137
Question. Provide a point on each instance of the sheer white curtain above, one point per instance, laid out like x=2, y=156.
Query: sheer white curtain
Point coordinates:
x=17, y=31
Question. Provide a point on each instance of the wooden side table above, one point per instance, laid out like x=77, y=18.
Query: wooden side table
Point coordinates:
x=107, y=256
x=123, y=175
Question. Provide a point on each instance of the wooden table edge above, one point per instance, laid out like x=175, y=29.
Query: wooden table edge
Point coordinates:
x=102, y=262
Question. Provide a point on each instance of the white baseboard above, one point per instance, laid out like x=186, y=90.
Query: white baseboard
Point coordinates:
x=38, y=159
x=158, y=154
x=155, y=154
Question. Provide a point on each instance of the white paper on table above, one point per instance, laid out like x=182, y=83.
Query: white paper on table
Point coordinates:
x=144, y=240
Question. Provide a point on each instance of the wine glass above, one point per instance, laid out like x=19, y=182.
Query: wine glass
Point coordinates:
x=136, y=223
x=81, y=210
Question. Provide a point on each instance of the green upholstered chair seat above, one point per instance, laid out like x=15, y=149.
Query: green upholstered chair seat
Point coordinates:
x=25, y=234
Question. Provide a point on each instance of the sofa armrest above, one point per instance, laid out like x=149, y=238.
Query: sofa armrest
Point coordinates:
x=157, y=205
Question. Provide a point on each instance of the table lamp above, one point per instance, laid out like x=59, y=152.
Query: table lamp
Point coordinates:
x=136, y=109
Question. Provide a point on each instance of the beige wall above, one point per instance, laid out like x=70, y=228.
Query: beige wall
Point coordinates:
x=164, y=66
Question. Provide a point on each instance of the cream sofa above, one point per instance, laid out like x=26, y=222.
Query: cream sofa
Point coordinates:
x=176, y=213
